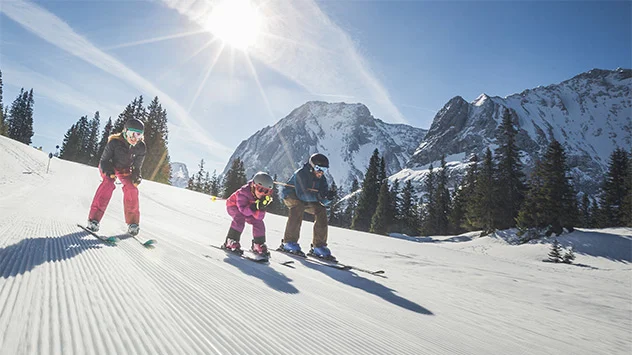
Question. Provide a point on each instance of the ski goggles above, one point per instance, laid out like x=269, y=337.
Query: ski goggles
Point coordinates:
x=134, y=133
x=322, y=169
x=263, y=190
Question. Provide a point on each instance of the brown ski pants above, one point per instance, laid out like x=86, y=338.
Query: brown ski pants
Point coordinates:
x=295, y=219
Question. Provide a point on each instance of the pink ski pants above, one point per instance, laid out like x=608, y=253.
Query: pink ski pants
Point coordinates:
x=104, y=194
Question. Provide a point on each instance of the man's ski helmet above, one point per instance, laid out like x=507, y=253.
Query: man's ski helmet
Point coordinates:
x=263, y=179
x=319, y=159
x=135, y=125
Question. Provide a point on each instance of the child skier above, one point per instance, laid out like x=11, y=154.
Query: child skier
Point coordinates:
x=248, y=204
x=122, y=158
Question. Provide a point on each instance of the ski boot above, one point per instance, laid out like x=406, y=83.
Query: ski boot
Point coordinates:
x=232, y=246
x=322, y=252
x=93, y=225
x=133, y=229
x=291, y=248
x=260, y=250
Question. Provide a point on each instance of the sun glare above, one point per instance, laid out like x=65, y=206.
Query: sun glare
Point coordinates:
x=236, y=22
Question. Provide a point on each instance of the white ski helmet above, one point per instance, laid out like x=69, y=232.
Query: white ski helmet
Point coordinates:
x=263, y=179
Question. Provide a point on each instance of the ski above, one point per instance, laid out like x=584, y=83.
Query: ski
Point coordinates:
x=248, y=257
x=149, y=243
x=107, y=240
x=331, y=263
x=314, y=260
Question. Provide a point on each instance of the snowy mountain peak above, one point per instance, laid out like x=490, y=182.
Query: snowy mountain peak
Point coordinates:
x=347, y=133
x=480, y=100
x=179, y=174
x=590, y=114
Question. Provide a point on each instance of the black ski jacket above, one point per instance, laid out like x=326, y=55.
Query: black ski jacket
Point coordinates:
x=120, y=156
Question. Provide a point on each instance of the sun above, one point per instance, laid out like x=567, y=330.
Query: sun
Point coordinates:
x=235, y=22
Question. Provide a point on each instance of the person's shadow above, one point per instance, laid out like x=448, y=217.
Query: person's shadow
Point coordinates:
x=27, y=254
x=264, y=272
x=353, y=279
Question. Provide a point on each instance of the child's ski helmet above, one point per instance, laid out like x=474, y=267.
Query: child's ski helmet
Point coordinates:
x=263, y=179
x=319, y=159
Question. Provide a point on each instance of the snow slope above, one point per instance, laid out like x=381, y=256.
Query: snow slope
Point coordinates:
x=63, y=292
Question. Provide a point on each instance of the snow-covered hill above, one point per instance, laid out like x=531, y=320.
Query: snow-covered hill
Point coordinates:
x=590, y=114
x=347, y=133
x=64, y=292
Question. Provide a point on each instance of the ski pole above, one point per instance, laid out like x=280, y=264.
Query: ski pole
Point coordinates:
x=290, y=185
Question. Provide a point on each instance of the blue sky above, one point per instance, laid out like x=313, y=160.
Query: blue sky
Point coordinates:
x=403, y=59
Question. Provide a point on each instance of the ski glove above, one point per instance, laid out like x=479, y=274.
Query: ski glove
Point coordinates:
x=136, y=179
x=261, y=204
x=110, y=174
x=325, y=203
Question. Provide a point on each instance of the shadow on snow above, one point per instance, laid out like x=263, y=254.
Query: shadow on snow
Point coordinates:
x=353, y=279
x=264, y=272
x=24, y=256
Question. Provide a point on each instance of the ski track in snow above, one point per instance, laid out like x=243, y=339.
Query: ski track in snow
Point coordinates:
x=62, y=291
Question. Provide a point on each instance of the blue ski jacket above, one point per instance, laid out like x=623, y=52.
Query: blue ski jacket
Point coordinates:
x=305, y=186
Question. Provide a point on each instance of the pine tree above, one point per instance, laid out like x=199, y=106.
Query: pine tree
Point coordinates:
x=214, y=184
x=532, y=214
x=561, y=202
x=367, y=201
x=198, y=181
x=442, y=199
x=235, y=178
x=551, y=202
x=19, y=125
x=351, y=204
x=457, y=212
x=157, y=166
x=107, y=131
x=335, y=214
x=569, y=256
x=79, y=143
x=585, y=213
x=93, y=140
x=382, y=216
x=396, y=208
x=509, y=175
x=483, y=208
x=555, y=255
x=614, y=189
x=83, y=155
x=409, y=212
x=465, y=198
x=429, y=213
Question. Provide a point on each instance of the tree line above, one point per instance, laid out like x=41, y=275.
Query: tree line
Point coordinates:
x=16, y=121
x=495, y=194
x=84, y=142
